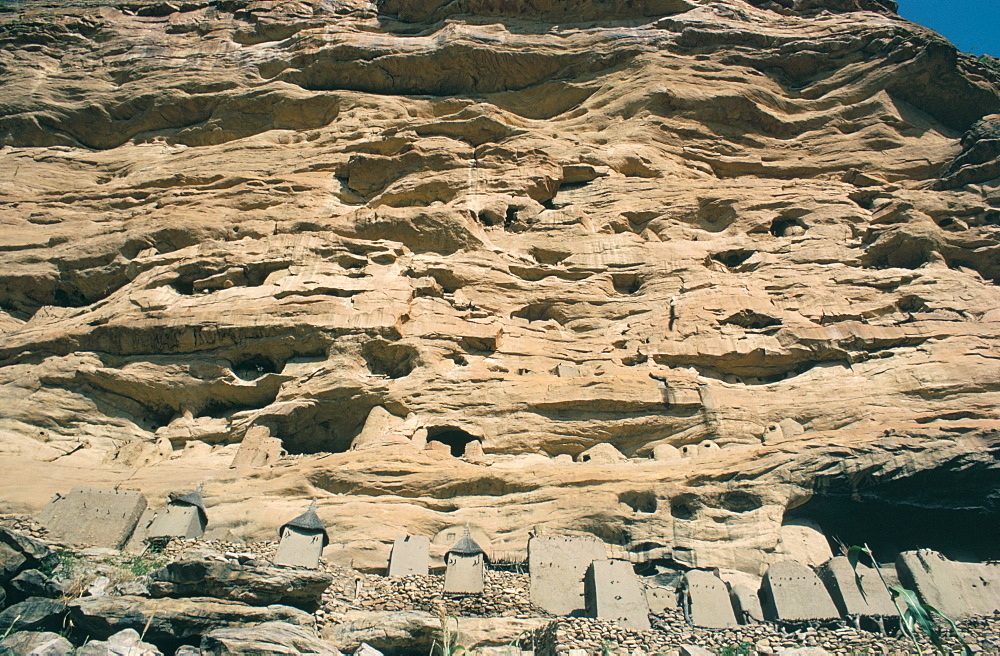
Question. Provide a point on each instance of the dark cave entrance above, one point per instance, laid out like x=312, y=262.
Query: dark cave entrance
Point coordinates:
x=953, y=508
x=254, y=367
x=455, y=438
x=890, y=527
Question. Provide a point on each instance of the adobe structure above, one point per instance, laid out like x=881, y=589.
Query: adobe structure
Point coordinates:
x=302, y=540
x=93, y=517
x=466, y=564
x=184, y=517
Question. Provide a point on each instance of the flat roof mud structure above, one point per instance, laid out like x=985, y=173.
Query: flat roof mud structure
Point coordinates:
x=94, y=517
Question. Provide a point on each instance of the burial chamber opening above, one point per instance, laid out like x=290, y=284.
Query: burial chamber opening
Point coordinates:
x=454, y=437
x=890, y=527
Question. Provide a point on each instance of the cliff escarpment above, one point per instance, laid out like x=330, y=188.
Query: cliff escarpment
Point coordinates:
x=450, y=253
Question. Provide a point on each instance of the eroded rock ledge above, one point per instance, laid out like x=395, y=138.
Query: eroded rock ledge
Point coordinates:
x=739, y=257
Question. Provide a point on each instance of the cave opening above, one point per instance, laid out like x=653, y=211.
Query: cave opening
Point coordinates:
x=784, y=226
x=510, y=217
x=389, y=359
x=734, y=257
x=890, y=527
x=640, y=501
x=254, y=367
x=183, y=286
x=626, y=283
x=751, y=320
x=326, y=435
x=71, y=298
x=454, y=437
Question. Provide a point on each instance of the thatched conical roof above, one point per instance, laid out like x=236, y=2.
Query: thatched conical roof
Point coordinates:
x=466, y=546
x=307, y=521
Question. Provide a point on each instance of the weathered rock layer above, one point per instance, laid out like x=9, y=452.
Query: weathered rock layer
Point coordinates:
x=747, y=246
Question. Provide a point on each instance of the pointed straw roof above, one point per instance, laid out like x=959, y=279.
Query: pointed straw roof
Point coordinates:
x=466, y=546
x=308, y=521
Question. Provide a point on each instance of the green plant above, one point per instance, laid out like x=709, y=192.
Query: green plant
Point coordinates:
x=742, y=649
x=66, y=561
x=916, y=614
x=990, y=61
x=139, y=565
x=448, y=645
x=514, y=646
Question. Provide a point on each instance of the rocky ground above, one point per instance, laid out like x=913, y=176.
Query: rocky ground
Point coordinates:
x=398, y=616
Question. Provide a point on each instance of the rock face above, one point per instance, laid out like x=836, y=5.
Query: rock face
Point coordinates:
x=123, y=642
x=258, y=586
x=265, y=638
x=172, y=620
x=42, y=643
x=416, y=630
x=440, y=250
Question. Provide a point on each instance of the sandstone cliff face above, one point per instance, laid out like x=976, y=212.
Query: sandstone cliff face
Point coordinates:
x=745, y=244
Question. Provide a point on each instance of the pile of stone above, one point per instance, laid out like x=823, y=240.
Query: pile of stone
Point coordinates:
x=29, y=598
x=505, y=594
x=183, y=591
x=26, y=525
x=260, y=551
x=89, y=596
x=671, y=632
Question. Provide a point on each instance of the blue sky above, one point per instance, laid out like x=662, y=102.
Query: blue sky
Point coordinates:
x=972, y=25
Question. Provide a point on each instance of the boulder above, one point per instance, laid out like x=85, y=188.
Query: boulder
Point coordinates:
x=173, y=619
x=32, y=583
x=36, y=643
x=94, y=516
x=258, y=449
x=415, y=631
x=33, y=614
x=694, y=650
x=385, y=630
x=803, y=541
x=366, y=650
x=36, y=553
x=265, y=638
x=11, y=562
x=123, y=643
x=257, y=586
x=979, y=160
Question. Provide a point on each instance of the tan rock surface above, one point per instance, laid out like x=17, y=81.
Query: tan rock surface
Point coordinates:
x=386, y=232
